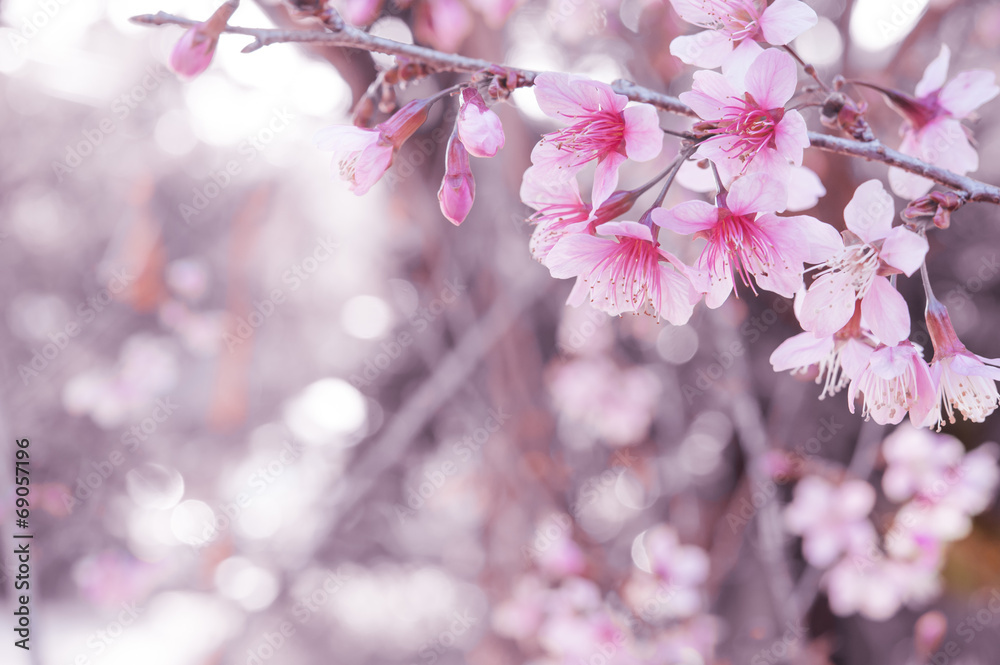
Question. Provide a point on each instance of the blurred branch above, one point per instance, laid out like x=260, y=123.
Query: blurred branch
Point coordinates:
x=342, y=34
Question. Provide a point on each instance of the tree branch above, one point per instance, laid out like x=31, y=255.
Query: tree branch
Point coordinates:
x=344, y=35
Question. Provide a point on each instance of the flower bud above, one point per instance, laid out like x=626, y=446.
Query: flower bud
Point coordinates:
x=478, y=127
x=193, y=52
x=404, y=122
x=458, y=188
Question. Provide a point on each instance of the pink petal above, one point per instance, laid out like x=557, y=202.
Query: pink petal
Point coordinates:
x=343, y=139
x=944, y=142
x=678, y=296
x=562, y=95
x=935, y=74
x=537, y=191
x=870, y=212
x=370, y=168
x=968, y=91
x=802, y=350
x=969, y=365
x=904, y=250
x=628, y=229
x=688, y=217
x=756, y=192
x=854, y=357
x=805, y=189
x=707, y=49
x=578, y=254
x=828, y=304
x=693, y=11
x=791, y=137
x=903, y=183
x=822, y=240
x=552, y=164
x=479, y=128
x=192, y=54
x=710, y=95
x=772, y=79
x=785, y=20
x=737, y=63
x=926, y=398
x=643, y=136
x=606, y=177
x=885, y=311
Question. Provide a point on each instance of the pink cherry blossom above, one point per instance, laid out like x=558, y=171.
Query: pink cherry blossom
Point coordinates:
x=602, y=128
x=933, y=132
x=917, y=461
x=838, y=357
x=895, y=381
x=362, y=155
x=746, y=238
x=832, y=519
x=625, y=272
x=193, y=52
x=479, y=127
x=559, y=210
x=753, y=130
x=857, y=271
x=877, y=587
x=458, y=188
x=670, y=578
x=732, y=22
x=964, y=381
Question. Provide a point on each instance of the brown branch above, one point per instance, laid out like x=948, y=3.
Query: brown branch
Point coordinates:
x=344, y=35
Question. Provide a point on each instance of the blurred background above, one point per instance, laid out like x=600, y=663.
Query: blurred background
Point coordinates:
x=271, y=421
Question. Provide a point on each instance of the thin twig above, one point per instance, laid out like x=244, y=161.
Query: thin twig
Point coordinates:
x=351, y=37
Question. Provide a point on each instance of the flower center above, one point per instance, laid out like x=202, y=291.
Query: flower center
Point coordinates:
x=751, y=126
x=859, y=263
x=740, y=19
x=634, y=271
x=593, y=137
x=738, y=244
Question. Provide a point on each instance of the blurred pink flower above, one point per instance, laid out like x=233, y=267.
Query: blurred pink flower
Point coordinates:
x=458, y=188
x=674, y=585
x=362, y=12
x=520, y=616
x=856, y=271
x=964, y=381
x=933, y=132
x=731, y=22
x=479, y=127
x=754, y=130
x=917, y=461
x=746, y=238
x=832, y=519
x=876, y=587
x=363, y=155
x=602, y=129
x=895, y=381
x=626, y=272
x=444, y=24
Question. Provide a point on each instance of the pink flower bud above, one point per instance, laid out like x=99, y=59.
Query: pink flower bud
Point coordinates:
x=458, y=189
x=479, y=127
x=193, y=52
x=404, y=122
x=929, y=632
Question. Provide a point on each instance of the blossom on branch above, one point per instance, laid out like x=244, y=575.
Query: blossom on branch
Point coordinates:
x=731, y=23
x=479, y=127
x=748, y=126
x=933, y=132
x=602, y=129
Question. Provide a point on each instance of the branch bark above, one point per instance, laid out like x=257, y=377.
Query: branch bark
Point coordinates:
x=350, y=37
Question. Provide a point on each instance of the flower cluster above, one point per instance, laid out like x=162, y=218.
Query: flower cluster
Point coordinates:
x=940, y=487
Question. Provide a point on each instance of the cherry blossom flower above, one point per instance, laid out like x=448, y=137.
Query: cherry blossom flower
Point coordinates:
x=732, y=22
x=625, y=272
x=752, y=129
x=363, y=155
x=838, y=357
x=669, y=574
x=479, y=127
x=193, y=52
x=614, y=403
x=805, y=189
x=458, y=188
x=857, y=271
x=362, y=12
x=559, y=210
x=832, y=519
x=444, y=24
x=876, y=588
x=896, y=381
x=933, y=131
x=602, y=128
x=964, y=381
x=917, y=461
x=746, y=238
